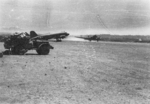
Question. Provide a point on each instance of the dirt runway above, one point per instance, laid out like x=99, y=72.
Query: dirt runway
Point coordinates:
x=78, y=73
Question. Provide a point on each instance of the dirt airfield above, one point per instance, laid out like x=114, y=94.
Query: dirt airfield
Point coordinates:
x=78, y=73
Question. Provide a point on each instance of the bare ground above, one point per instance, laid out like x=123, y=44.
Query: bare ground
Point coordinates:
x=78, y=73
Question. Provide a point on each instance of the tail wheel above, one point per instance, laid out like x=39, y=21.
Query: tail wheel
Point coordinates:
x=43, y=50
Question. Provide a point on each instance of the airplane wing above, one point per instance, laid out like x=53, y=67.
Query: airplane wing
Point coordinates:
x=57, y=36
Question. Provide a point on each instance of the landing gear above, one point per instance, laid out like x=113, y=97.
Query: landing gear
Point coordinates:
x=58, y=40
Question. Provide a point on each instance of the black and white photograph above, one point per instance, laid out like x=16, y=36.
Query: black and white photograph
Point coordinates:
x=74, y=52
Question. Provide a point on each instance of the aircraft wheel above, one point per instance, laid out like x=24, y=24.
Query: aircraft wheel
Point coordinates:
x=43, y=50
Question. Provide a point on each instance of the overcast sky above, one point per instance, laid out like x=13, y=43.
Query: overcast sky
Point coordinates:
x=78, y=16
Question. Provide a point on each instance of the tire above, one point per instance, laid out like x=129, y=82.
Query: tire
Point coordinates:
x=18, y=50
x=15, y=51
x=6, y=52
x=1, y=55
x=43, y=50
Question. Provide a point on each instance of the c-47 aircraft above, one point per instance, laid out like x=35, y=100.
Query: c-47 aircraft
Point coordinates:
x=34, y=35
x=57, y=36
